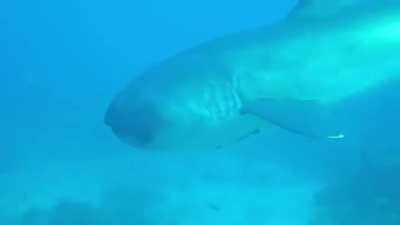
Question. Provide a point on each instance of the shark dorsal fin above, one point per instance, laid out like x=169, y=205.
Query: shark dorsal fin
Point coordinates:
x=323, y=8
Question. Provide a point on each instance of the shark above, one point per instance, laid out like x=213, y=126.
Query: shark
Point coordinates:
x=290, y=75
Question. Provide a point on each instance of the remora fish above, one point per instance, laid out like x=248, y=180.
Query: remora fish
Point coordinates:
x=287, y=75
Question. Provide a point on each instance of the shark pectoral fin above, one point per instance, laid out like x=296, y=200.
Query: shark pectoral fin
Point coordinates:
x=304, y=117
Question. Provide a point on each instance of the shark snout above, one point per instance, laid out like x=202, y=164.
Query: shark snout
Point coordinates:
x=135, y=123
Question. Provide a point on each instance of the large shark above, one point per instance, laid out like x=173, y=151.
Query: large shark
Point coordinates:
x=289, y=75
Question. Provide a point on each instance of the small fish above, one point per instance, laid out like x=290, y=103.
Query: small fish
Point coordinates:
x=214, y=206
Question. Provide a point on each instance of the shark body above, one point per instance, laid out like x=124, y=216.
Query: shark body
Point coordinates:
x=287, y=75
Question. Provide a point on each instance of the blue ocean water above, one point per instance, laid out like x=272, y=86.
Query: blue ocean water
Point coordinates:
x=62, y=62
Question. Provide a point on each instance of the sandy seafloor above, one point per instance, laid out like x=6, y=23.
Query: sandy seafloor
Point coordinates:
x=131, y=188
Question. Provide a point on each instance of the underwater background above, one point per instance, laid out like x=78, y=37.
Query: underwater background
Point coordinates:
x=61, y=63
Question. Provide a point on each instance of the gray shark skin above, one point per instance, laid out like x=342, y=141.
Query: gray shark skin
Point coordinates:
x=290, y=75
